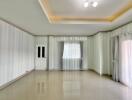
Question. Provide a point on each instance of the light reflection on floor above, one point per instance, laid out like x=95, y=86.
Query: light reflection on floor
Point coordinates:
x=69, y=85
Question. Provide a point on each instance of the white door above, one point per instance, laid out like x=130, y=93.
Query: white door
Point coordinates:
x=41, y=57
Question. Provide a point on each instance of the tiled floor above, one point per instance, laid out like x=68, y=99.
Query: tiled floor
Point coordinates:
x=78, y=85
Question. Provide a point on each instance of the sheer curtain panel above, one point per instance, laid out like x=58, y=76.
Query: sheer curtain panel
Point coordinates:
x=126, y=59
x=71, y=56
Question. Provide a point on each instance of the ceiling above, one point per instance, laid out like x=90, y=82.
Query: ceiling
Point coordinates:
x=74, y=12
x=29, y=15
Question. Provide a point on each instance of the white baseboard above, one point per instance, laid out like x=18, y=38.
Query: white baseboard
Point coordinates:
x=14, y=80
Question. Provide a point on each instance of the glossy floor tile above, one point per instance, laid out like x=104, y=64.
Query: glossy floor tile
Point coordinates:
x=72, y=85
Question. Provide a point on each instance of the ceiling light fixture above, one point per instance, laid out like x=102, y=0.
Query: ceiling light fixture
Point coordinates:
x=88, y=3
x=95, y=4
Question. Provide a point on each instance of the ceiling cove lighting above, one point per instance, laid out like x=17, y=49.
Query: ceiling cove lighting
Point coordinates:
x=88, y=3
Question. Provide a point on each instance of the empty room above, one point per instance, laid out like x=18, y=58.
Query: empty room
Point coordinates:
x=65, y=49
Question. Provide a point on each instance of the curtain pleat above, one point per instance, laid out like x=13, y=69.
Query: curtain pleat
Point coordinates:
x=71, y=64
x=115, y=71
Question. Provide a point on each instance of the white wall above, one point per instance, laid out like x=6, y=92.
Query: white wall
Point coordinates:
x=106, y=51
x=90, y=46
x=98, y=56
x=41, y=63
x=16, y=52
x=99, y=53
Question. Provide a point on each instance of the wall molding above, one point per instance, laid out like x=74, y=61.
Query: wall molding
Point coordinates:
x=30, y=33
x=16, y=26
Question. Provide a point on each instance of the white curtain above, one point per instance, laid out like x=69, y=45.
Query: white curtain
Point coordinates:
x=115, y=58
x=126, y=59
x=71, y=56
x=122, y=59
x=55, y=48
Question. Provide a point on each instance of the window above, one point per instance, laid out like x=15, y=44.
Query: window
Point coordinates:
x=43, y=52
x=39, y=51
x=72, y=50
